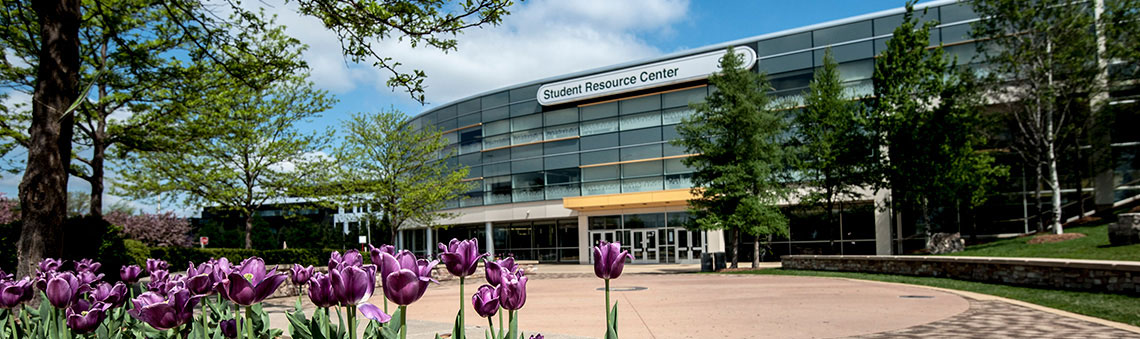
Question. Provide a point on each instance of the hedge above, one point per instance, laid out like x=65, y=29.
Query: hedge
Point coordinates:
x=180, y=257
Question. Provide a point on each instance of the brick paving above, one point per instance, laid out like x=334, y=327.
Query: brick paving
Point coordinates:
x=997, y=319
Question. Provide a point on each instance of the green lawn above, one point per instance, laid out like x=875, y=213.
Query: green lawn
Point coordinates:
x=1093, y=246
x=1113, y=307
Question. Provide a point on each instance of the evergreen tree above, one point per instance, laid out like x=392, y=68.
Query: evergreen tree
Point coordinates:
x=926, y=114
x=741, y=165
x=834, y=144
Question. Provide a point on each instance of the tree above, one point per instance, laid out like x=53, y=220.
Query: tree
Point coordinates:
x=159, y=229
x=396, y=172
x=1039, y=53
x=926, y=115
x=238, y=149
x=740, y=167
x=834, y=143
x=43, y=191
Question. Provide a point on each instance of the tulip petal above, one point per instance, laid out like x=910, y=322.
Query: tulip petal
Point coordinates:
x=404, y=287
x=370, y=311
x=239, y=290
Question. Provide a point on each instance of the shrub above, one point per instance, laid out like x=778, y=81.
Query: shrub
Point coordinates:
x=138, y=251
x=165, y=229
x=92, y=237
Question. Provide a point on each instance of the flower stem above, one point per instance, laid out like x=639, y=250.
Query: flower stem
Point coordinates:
x=237, y=319
x=403, y=322
x=511, y=332
x=491, y=325
x=325, y=324
x=607, y=303
x=249, y=326
x=501, y=328
x=351, y=310
x=12, y=323
x=461, y=328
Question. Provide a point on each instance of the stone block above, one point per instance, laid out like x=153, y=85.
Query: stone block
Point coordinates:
x=941, y=243
x=1126, y=229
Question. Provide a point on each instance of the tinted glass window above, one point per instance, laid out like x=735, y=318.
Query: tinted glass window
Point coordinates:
x=495, y=100
x=502, y=168
x=526, y=165
x=497, y=127
x=843, y=33
x=446, y=113
x=599, y=141
x=524, y=108
x=469, y=106
x=683, y=98
x=676, y=166
x=786, y=63
x=470, y=135
x=496, y=156
x=642, y=184
x=495, y=114
x=599, y=157
x=785, y=44
x=562, y=176
x=650, y=220
x=641, y=152
x=640, y=120
x=957, y=12
x=470, y=119
x=527, y=151
x=564, y=146
x=845, y=53
x=600, y=173
x=641, y=169
x=527, y=122
x=599, y=126
x=525, y=93
x=527, y=179
x=601, y=187
x=562, y=116
x=599, y=111
x=641, y=104
x=641, y=136
x=559, y=132
x=560, y=161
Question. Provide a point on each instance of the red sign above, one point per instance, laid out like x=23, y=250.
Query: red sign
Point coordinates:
x=204, y=240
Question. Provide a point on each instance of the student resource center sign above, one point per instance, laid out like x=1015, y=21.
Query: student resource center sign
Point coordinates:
x=663, y=73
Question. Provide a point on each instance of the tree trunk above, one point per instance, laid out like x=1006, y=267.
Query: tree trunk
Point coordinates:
x=43, y=190
x=756, y=253
x=1055, y=185
x=96, y=181
x=735, y=248
x=1037, y=200
x=249, y=229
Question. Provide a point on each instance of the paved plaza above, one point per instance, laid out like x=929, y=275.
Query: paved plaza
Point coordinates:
x=663, y=301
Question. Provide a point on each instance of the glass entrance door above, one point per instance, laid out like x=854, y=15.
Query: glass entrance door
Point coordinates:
x=644, y=246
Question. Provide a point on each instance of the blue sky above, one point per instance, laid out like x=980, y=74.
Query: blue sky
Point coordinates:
x=541, y=38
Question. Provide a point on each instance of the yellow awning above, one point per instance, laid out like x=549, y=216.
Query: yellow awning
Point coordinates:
x=676, y=197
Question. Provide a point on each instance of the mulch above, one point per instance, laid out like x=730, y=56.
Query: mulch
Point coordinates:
x=1052, y=238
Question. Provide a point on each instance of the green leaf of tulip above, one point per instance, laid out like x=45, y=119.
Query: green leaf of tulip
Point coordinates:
x=514, y=325
x=299, y=326
x=457, y=331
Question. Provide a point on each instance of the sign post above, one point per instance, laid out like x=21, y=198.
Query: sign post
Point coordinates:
x=203, y=241
x=363, y=240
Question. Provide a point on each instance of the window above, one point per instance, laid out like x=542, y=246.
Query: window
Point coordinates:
x=676, y=115
x=642, y=184
x=469, y=106
x=599, y=126
x=448, y=125
x=496, y=156
x=957, y=12
x=561, y=161
x=502, y=168
x=786, y=63
x=599, y=157
x=602, y=187
x=683, y=98
x=495, y=114
x=468, y=120
x=642, y=104
x=641, y=152
x=648, y=220
x=497, y=184
x=956, y=33
x=469, y=159
x=599, y=141
x=673, y=166
x=599, y=111
x=563, y=176
x=526, y=136
x=670, y=133
x=641, y=169
x=446, y=113
x=609, y=222
x=857, y=70
x=784, y=44
x=525, y=93
x=562, y=191
x=678, y=181
x=843, y=33
x=642, y=120
x=528, y=151
x=497, y=127
x=845, y=53
x=529, y=165
x=600, y=173
x=470, y=134
x=495, y=100
x=562, y=116
x=527, y=122
x=558, y=132
x=641, y=136
x=528, y=194
x=564, y=146
x=527, y=180
x=497, y=141
x=524, y=108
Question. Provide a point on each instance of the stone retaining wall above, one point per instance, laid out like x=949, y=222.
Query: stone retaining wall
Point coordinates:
x=1083, y=275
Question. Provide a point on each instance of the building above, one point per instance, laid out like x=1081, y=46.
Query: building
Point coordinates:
x=564, y=162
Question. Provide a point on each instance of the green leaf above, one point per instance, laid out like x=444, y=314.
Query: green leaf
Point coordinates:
x=457, y=332
x=514, y=325
x=611, y=328
x=299, y=326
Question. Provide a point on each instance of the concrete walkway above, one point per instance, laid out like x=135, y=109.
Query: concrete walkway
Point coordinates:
x=654, y=301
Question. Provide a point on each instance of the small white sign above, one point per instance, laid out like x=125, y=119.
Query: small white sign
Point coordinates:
x=363, y=239
x=657, y=74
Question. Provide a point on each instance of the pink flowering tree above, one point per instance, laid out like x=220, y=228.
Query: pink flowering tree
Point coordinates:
x=163, y=229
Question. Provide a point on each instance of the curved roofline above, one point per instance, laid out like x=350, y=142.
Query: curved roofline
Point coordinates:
x=697, y=50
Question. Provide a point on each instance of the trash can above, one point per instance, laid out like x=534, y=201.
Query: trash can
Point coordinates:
x=712, y=262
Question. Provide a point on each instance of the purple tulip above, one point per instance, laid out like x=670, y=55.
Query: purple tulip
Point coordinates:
x=88, y=278
x=486, y=301
x=321, y=290
x=350, y=258
x=63, y=288
x=87, y=265
x=250, y=284
x=50, y=265
x=537, y=336
x=164, y=313
x=300, y=275
x=609, y=260
x=222, y=269
x=353, y=285
x=374, y=252
x=494, y=270
x=229, y=328
x=129, y=274
x=370, y=311
x=15, y=292
x=405, y=279
x=512, y=291
x=155, y=265
x=113, y=295
x=461, y=257
x=158, y=281
x=5, y=276
x=200, y=279
x=84, y=316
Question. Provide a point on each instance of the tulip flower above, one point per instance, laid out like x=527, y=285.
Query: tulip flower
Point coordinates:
x=5, y=276
x=87, y=265
x=321, y=290
x=609, y=260
x=164, y=313
x=129, y=274
x=112, y=295
x=158, y=281
x=84, y=316
x=374, y=313
x=250, y=284
x=350, y=258
x=537, y=336
x=486, y=301
x=512, y=291
x=15, y=292
x=50, y=265
x=494, y=269
x=300, y=275
x=461, y=257
x=63, y=288
x=405, y=279
x=155, y=265
x=374, y=252
x=87, y=277
x=353, y=285
x=229, y=328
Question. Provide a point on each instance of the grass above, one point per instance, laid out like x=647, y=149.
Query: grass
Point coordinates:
x=1093, y=246
x=1115, y=307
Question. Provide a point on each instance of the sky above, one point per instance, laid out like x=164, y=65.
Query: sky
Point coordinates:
x=540, y=38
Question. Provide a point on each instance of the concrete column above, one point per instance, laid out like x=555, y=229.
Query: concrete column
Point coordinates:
x=490, y=239
x=400, y=240
x=584, y=240
x=430, y=240
x=882, y=223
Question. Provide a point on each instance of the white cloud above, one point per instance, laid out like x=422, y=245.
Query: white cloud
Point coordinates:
x=539, y=39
